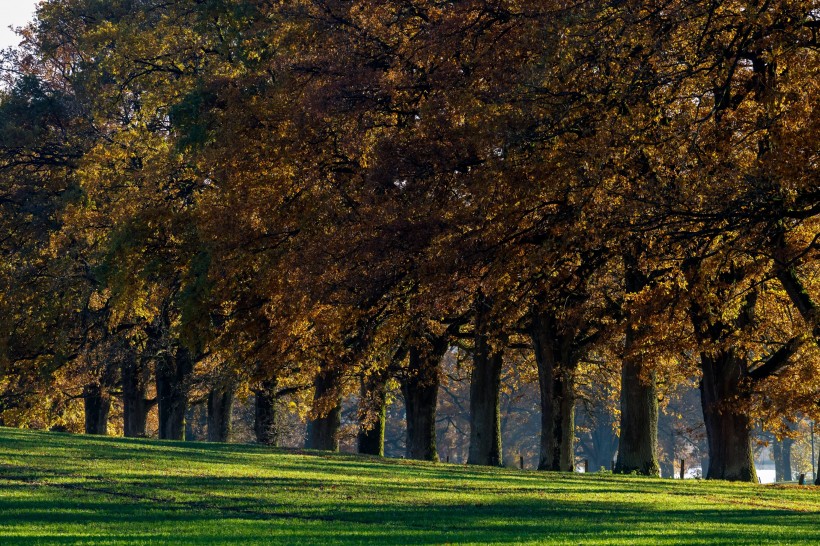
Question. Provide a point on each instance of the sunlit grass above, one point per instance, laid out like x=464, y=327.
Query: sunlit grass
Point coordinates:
x=64, y=489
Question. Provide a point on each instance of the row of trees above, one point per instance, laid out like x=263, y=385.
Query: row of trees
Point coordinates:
x=315, y=198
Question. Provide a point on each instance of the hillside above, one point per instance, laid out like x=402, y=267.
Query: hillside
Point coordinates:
x=64, y=489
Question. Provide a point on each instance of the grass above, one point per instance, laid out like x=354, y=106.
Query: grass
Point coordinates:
x=67, y=489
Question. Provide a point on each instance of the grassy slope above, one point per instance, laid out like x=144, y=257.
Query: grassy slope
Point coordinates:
x=58, y=488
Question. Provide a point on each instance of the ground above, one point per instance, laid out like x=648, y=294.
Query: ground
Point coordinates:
x=69, y=489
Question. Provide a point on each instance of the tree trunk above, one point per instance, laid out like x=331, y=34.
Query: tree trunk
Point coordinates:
x=728, y=431
x=777, y=456
x=172, y=394
x=135, y=377
x=604, y=443
x=323, y=429
x=786, y=458
x=420, y=390
x=264, y=424
x=666, y=439
x=372, y=415
x=220, y=404
x=97, y=404
x=638, y=446
x=817, y=473
x=556, y=383
x=485, y=418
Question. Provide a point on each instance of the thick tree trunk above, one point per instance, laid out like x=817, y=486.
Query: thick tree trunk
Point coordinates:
x=264, y=424
x=172, y=394
x=323, y=429
x=556, y=383
x=728, y=431
x=777, y=456
x=638, y=446
x=97, y=404
x=135, y=377
x=485, y=417
x=220, y=404
x=420, y=390
x=372, y=416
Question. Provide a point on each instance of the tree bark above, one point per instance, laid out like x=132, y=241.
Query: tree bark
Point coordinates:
x=638, y=445
x=485, y=417
x=728, y=430
x=420, y=390
x=264, y=424
x=172, y=393
x=556, y=384
x=372, y=415
x=220, y=404
x=135, y=377
x=323, y=429
x=97, y=405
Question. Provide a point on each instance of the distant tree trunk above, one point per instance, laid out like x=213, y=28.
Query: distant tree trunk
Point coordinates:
x=556, y=383
x=777, y=456
x=220, y=404
x=728, y=431
x=786, y=458
x=172, y=393
x=97, y=405
x=135, y=377
x=420, y=390
x=264, y=424
x=323, y=429
x=485, y=419
x=817, y=473
x=666, y=438
x=604, y=443
x=372, y=415
x=638, y=446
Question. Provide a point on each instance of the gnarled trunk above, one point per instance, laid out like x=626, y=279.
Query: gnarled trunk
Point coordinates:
x=420, y=390
x=220, y=404
x=372, y=415
x=172, y=393
x=323, y=429
x=135, y=406
x=97, y=405
x=728, y=430
x=264, y=424
x=556, y=383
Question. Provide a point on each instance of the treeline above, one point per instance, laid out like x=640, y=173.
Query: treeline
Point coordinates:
x=311, y=199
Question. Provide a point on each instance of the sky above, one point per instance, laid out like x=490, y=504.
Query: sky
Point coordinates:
x=14, y=13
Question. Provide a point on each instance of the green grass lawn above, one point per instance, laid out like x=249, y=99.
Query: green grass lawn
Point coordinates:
x=66, y=489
